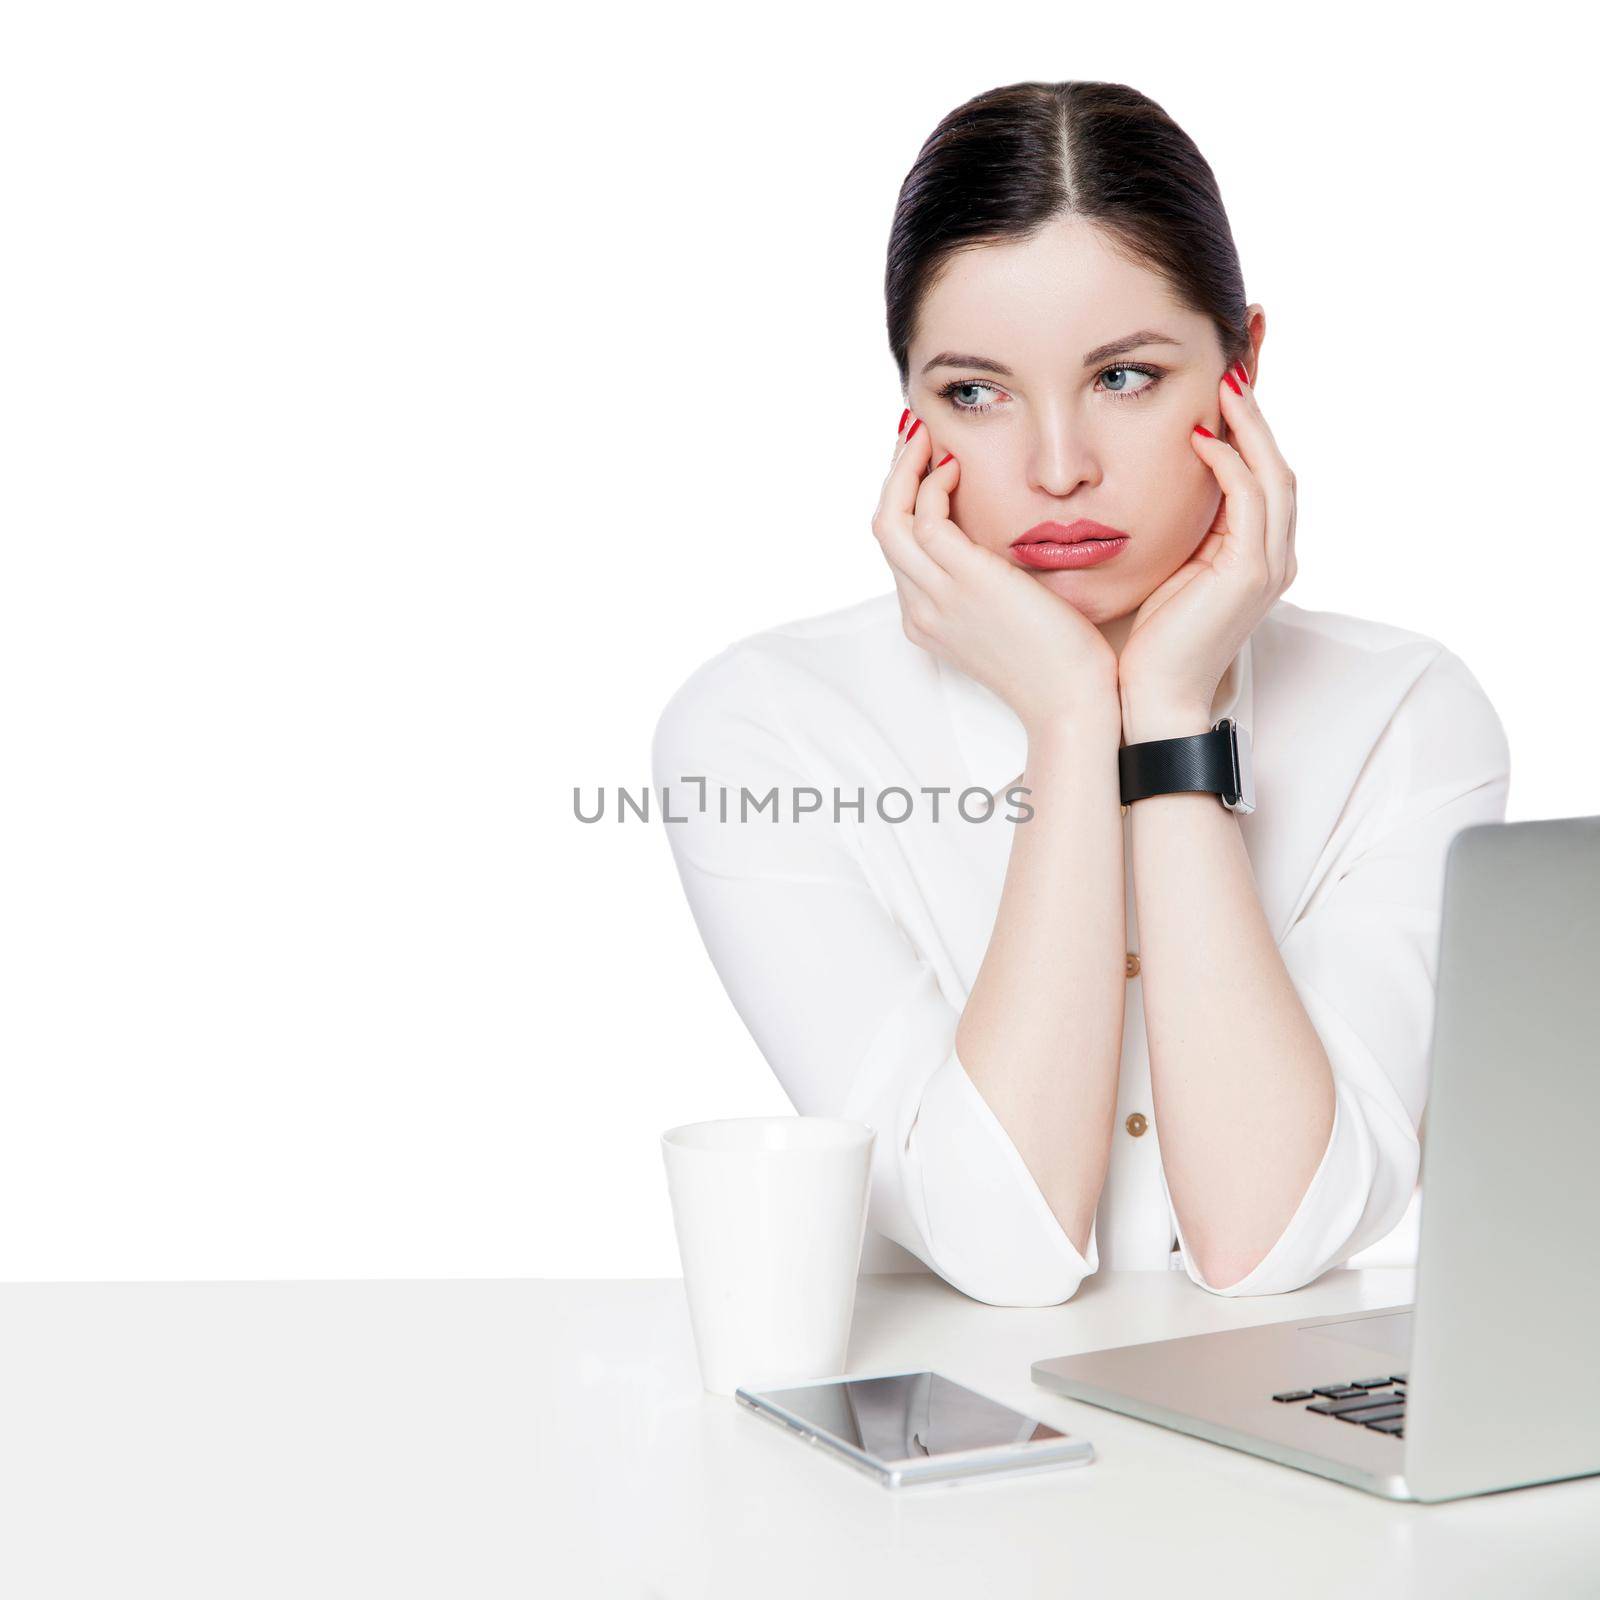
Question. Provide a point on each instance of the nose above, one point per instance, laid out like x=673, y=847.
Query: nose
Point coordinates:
x=1061, y=456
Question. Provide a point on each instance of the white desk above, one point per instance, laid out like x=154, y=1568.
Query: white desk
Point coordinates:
x=462, y=1439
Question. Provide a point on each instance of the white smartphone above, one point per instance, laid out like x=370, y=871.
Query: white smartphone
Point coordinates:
x=917, y=1427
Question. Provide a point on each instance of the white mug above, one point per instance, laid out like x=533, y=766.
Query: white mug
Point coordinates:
x=771, y=1214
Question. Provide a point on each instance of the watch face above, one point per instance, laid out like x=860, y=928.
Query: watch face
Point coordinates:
x=1243, y=769
x=1247, y=776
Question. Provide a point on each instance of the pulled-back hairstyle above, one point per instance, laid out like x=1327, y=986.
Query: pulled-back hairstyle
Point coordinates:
x=1013, y=159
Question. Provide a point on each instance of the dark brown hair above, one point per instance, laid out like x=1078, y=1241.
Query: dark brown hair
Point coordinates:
x=1013, y=159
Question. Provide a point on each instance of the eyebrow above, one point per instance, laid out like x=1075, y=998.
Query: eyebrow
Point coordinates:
x=1103, y=352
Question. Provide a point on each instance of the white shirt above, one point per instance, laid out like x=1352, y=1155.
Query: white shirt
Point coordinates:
x=849, y=947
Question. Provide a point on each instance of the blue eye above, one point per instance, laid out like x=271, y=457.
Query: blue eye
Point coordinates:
x=1143, y=389
x=949, y=392
x=951, y=388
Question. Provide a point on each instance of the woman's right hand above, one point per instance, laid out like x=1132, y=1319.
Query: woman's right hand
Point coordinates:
x=978, y=611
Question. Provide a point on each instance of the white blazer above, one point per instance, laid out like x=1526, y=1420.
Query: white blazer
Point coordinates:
x=849, y=942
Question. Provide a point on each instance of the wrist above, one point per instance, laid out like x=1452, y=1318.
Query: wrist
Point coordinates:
x=1147, y=717
x=1093, y=717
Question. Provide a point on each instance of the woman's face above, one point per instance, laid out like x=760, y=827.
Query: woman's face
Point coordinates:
x=1069, y=428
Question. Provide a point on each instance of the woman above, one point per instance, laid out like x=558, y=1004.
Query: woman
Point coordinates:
x=1167, y=1031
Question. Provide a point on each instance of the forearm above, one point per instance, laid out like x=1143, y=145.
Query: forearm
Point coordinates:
x=1240, y=1083
x=1041, y=1035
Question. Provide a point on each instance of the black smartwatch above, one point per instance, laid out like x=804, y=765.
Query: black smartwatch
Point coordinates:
x=1216, y=763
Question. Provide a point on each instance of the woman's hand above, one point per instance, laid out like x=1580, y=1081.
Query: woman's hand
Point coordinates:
x=1191, y=627
x=976, y=610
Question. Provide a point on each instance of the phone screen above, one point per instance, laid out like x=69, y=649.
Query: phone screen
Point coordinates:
x=910, y=1416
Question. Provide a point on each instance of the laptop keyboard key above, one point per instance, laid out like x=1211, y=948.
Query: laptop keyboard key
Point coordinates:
x=1338, y=1391
x=1370, y=1383
x=1364, y=1402
x=1394, y=1425
x=1293, y=1394
x=1382, y=1414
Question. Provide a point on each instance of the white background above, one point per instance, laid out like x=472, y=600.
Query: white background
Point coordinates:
x=399, y=401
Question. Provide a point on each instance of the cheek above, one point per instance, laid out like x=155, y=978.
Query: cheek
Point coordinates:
x=1174, y=482
x=1179, y=504
x=979, y=504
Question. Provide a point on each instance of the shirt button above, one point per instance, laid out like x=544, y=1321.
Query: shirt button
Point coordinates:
x=1133, y=965
x=1136, y=1124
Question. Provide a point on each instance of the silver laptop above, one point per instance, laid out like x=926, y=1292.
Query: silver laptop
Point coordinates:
x=1490, y=1379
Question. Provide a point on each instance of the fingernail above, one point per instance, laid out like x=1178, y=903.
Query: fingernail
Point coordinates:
x=949, y=455
x=1232, y=382
x=900, y=427
x=914, y=426
x=1244, y=377
x=1206, y=431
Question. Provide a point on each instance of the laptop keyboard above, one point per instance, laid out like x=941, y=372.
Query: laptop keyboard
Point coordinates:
x=1376, y=1403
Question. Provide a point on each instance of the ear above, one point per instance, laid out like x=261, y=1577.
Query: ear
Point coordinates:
x=1255, y=321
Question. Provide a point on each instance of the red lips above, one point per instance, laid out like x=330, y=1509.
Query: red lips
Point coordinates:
x=1068, y=532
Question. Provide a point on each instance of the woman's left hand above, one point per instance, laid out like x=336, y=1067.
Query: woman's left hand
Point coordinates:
x=1188, y=631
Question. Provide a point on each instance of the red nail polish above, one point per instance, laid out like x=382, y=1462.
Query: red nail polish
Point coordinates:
x=949, y=455
x=1198, y=428
x=1244, y=377
x=900, y=427
x=914, y=426
x=1232, y=382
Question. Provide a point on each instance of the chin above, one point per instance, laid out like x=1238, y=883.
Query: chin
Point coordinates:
x=1088, y=590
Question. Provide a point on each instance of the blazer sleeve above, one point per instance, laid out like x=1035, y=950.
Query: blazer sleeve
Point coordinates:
x=1363, y=962
x=847, y=1012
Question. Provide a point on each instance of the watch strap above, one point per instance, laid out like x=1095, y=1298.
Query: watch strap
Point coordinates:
x=1195, y=763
